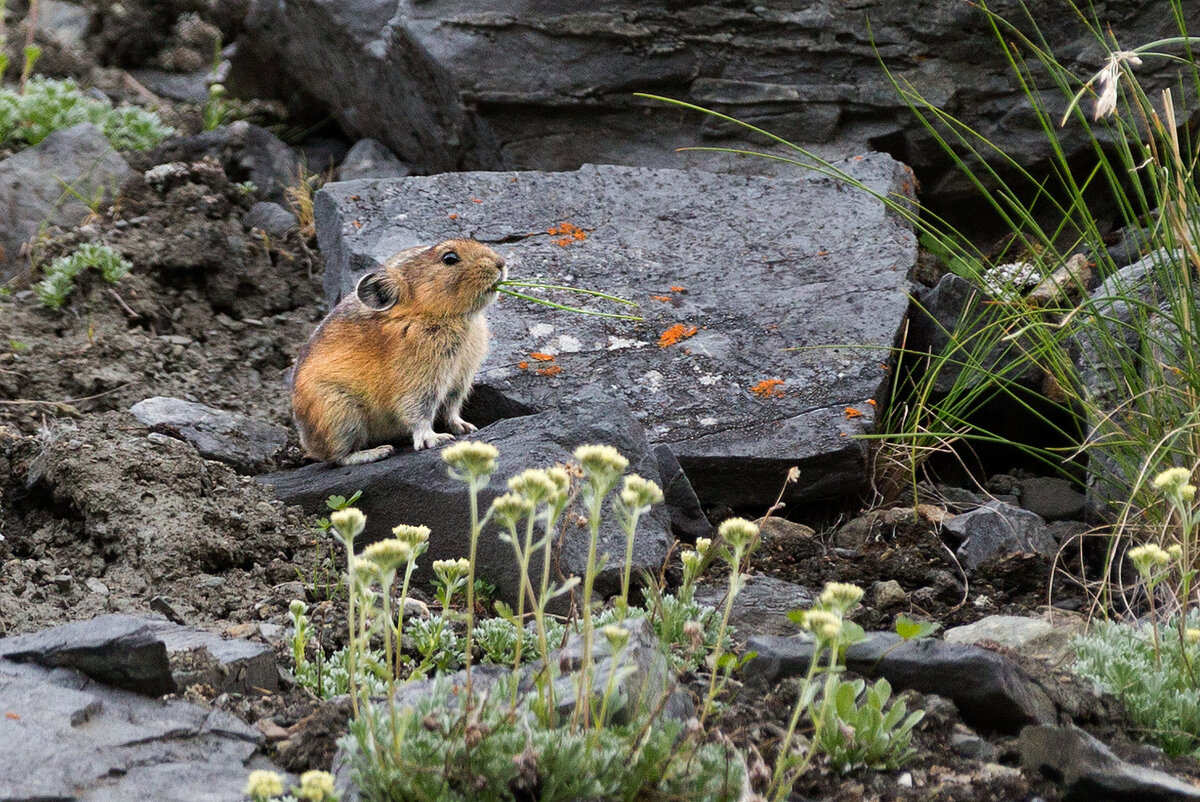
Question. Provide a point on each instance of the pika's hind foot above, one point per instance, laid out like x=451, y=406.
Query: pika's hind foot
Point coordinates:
x=460, y=426
x=367, y=455
x=425, y=437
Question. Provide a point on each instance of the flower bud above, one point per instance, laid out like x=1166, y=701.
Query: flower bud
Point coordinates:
x=472, y=458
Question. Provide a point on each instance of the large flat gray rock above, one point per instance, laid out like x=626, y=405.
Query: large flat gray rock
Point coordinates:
x=414, y=488
x=761, y=266
x=50, y=183
x=64, y=737
x=237, y=439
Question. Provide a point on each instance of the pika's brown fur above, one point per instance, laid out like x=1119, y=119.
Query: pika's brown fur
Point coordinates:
x=399, y=353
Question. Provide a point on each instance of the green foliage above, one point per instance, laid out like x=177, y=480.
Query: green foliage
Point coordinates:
x=49, y=105
x=869, y=734
x=491, y=754
x=1157, y=686
x=908, y=629
x=59, y=281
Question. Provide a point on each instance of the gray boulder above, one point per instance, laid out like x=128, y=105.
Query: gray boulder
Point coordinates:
x=230, y=437
x=991, y=691
x=246, y=152
x=736, y=368
x=550, y=86
x=147, y=656
x=370, y=159
x=996, y=530
x=414, y=488
x=1089, y=770
x=1052, y=498
x=762, y=606
x=52, y=183
x=66, y=737
x=272, y=218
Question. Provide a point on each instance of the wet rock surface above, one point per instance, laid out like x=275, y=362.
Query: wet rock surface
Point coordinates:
x=747, y=286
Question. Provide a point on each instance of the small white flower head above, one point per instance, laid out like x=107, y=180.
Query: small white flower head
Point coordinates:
x=315, y=786
x=448, y=571
x=691, y=561
x=841, y=596
x=365, y=569
x=738, y=533
x=471, y=458
x=349, y=523
x=217, y=90
x=264, y=784
x=1145, y=558
x=616, y=636
x=562, y=482
x=297, y=608
x=414, y=536
x=1175, y=552
x=640, y=492
x=601, y=464
x=1172, y=480
x=388, y=555
x=1192, y=636
x=1187, y=493
x=511, y=508
x=702, y=544
x=534, y=484
x=823, y=624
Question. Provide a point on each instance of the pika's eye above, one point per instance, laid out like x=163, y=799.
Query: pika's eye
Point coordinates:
x=450, y=258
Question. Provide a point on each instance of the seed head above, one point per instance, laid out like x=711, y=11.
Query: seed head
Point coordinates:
x=315, y=786
x=738, y=533
x=450, y=570
x=616, y=636
x=841, y=596
x=640, y=492
x=414, y=536
x=601, y=464
x=388, y=555
x=471, y=458
x=264, y=784
x=534, y=484
x=349, y=523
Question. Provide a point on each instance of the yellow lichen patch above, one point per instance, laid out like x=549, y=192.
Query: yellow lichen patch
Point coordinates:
x=675, y=334
x=768, y=388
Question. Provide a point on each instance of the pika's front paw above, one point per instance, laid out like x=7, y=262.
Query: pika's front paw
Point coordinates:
x=430, y=439
x=460, y=426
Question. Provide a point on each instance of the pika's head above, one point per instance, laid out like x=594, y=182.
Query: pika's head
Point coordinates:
x=453, y=278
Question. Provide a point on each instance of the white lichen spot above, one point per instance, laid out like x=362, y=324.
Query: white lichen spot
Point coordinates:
x=618, y=343
x=708, y=421
x=652, y=380
x=708, y=379
x=540, y=330
x=568, y=344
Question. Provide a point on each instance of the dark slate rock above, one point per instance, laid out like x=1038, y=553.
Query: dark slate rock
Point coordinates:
x=148, y=656
x=65, y=737
x=688, y=520
x=991, y=691
x=371, y=159
x=230, y=437
x=761, y=607
x=1089, y=770
x=549, y=85
x=186, y=87
x=1052, y=498
x=32, y=181
x=271, y=218
x=246, y=152
x=414, y=488
x=767, y=265
x=995, y=530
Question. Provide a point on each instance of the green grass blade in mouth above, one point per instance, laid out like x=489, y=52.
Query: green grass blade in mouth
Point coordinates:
x=581, y=291
x=553, y=305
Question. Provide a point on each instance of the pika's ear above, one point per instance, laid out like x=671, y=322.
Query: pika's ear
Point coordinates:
x=377, y=291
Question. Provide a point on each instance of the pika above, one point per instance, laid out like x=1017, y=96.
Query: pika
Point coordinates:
x=398, y=354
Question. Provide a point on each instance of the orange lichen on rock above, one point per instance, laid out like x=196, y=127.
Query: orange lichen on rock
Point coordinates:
x=566, y=233
x=676, y=334
x=452, y=216
x=666, y=299
x=768, y=388
x=550, y=370
x=540, y=357
x=476, y=200
x=851, y=412
x=523, y=365
x=872, y=402
x=678, y=288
